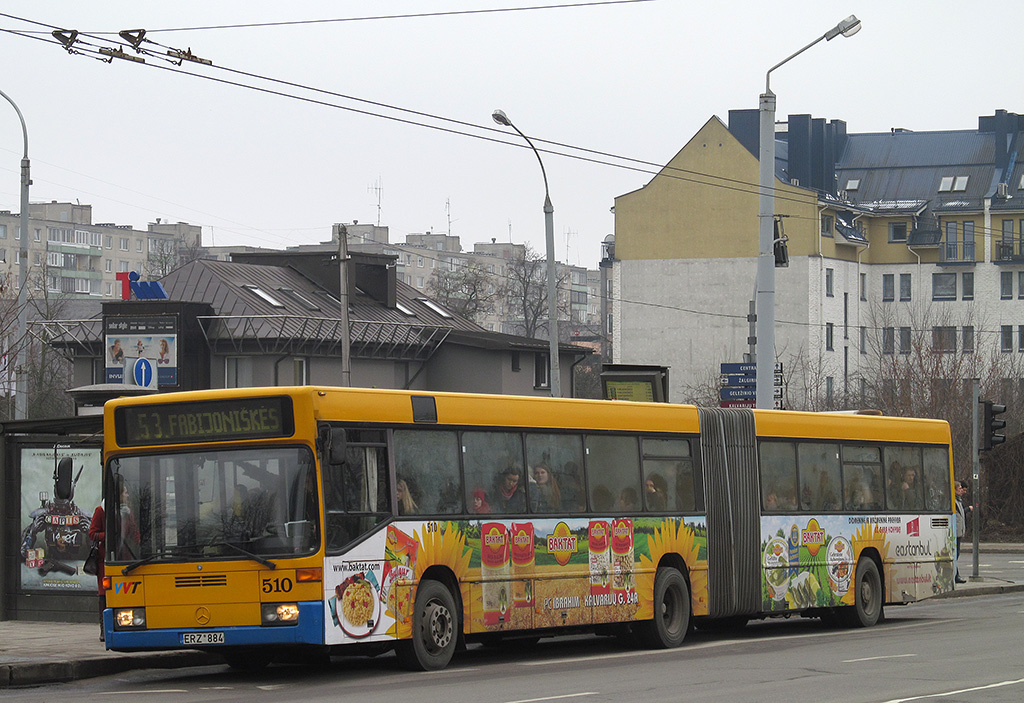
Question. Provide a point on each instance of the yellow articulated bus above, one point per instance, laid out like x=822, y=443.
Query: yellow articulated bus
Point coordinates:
x=266, y=522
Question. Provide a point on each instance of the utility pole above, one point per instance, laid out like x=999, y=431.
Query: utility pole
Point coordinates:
x=20, y=385
x=341, y=232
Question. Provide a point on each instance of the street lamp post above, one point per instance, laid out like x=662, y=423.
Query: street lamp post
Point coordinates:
x=765, y=330
x=549, y=234
x=20, y=405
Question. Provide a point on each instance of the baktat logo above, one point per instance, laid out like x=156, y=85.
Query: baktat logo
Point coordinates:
x=562, y=543
x=812, y=537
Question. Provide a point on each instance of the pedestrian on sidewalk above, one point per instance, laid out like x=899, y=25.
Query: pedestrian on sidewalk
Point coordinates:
x=961, y=523
x=97, y=533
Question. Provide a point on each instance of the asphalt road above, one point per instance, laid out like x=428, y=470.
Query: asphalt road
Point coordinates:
x=960, y=649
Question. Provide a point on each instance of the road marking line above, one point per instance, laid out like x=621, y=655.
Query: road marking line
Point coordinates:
x=954, y=693
x=871, y=659
x=137, y=692
x=555, y=698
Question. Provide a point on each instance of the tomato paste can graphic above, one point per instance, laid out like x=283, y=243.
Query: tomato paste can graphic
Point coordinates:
x=494, y=571
x=622, y=554
x=599, y=543
x=522, y=563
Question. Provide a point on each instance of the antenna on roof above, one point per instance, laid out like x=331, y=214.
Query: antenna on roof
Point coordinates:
x=377, y=187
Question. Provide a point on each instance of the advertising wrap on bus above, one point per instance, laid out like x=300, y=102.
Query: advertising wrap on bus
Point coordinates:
x=811, y=563
x=513, y=574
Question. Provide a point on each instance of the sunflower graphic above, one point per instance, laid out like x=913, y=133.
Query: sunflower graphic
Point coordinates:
x=672, y=537
x=867, y=536
x=443, y=547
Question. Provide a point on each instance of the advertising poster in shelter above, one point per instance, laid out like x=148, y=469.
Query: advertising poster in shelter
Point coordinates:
x=60, y=489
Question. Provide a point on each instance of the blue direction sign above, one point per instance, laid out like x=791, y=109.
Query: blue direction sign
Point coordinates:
x=737, y=393
x=739, y=369
x=142, y=372
x=729, y=380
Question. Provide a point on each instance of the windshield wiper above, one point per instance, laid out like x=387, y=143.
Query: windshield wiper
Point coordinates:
x=255, y=557
x=142, y=562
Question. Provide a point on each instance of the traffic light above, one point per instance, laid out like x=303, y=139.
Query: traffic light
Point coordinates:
x=990, y=435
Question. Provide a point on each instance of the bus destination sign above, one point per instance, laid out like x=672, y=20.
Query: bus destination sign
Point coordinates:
x=204, y=421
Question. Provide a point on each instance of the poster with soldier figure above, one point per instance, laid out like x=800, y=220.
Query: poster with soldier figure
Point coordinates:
x=60, y=488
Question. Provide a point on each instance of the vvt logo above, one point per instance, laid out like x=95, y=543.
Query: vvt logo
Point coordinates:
x=914, y=527
x=126, y=587
x=143, y=290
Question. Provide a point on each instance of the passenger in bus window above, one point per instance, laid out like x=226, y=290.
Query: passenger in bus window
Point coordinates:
x=656, y=490
x=480, y=505
x=544, y=494
x=827, y=491
x=508, y=493
x=628, y=500
x=602, y=499
x=910, y=489
x=406, y=502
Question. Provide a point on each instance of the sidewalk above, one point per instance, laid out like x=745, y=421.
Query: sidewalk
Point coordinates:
x=36, y=653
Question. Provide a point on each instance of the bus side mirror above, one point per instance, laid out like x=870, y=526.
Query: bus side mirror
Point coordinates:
x=338, y=446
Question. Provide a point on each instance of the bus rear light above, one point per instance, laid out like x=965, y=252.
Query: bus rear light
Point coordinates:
x=312, y=574
x=129, y=618
x=280, y=613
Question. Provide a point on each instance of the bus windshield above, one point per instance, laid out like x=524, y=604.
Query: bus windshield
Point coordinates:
x=260, y=501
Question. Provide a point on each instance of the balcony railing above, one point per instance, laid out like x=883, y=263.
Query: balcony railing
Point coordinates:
x=1010, y=250
x=957, y=251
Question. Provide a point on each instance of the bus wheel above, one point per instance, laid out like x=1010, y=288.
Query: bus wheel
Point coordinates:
x=867, y=585
x=671, y=611
x=434, y=629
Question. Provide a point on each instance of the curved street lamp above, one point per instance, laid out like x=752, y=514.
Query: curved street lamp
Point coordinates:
x=765, y=301
x=549, y=234
x=20, y=400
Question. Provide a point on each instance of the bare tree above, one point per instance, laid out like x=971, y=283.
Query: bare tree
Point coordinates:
x=527, y=293
x=169, y=254
x=469, y=290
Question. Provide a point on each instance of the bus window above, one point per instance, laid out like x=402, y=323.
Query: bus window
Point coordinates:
x=862, y=473
x=564, y=455
x=778, y=476
x=427, y=472
x=613, y=464
x=356, y=496
x=668, y=476
x=493, y=462
x=904, y=485
x=819, y=476
x=936, y=479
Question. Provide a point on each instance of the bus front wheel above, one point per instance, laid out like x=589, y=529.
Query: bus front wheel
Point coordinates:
x=671, y=611
x=867, y=589
x=434, y=629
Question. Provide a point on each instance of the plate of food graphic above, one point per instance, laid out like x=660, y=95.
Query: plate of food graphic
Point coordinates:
x=357, y=605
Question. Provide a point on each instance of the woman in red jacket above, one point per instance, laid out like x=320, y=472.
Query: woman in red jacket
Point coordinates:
x=97, y=533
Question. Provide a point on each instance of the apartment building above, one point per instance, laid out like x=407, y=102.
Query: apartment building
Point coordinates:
x=896, y=240
x=70, y=255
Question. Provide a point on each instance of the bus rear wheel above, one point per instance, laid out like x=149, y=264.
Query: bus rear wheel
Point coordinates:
x=434, y=629
x=867, y=590
x=671, y=611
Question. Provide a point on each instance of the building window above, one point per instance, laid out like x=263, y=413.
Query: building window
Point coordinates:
x=904, y=286
x=904, y=340
x=1005, y=285
x=863, y=286
x=238, y=372
x=109, y=289
x=515, y=361
x=830, y=383
x=1020, y=338
x=968, y=241
x=3, y=231
x=122, y=266
x=264, y=295
x=951, y=244
x=943, y=286
x=967, y=338
x=540, y=370
x=888, y=340
x=863, y=339
x=826, y=225
x=944, y=339
x=419, y=262
x=830, y=282
x=108, y=265
x=1006, y=338
x=953, y=184
x=108, y=242
x=967, y=281
x=888, y=287
x=829, y=335
x=124, y=244
x=897, y=231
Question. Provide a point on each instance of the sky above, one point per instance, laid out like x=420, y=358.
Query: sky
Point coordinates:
x=627, y=79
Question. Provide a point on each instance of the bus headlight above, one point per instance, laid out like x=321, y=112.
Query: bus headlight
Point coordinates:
x=129, y=618
x=280, y=613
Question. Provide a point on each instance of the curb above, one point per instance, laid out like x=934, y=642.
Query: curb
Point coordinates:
x=37, y=674
x=988, y=590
